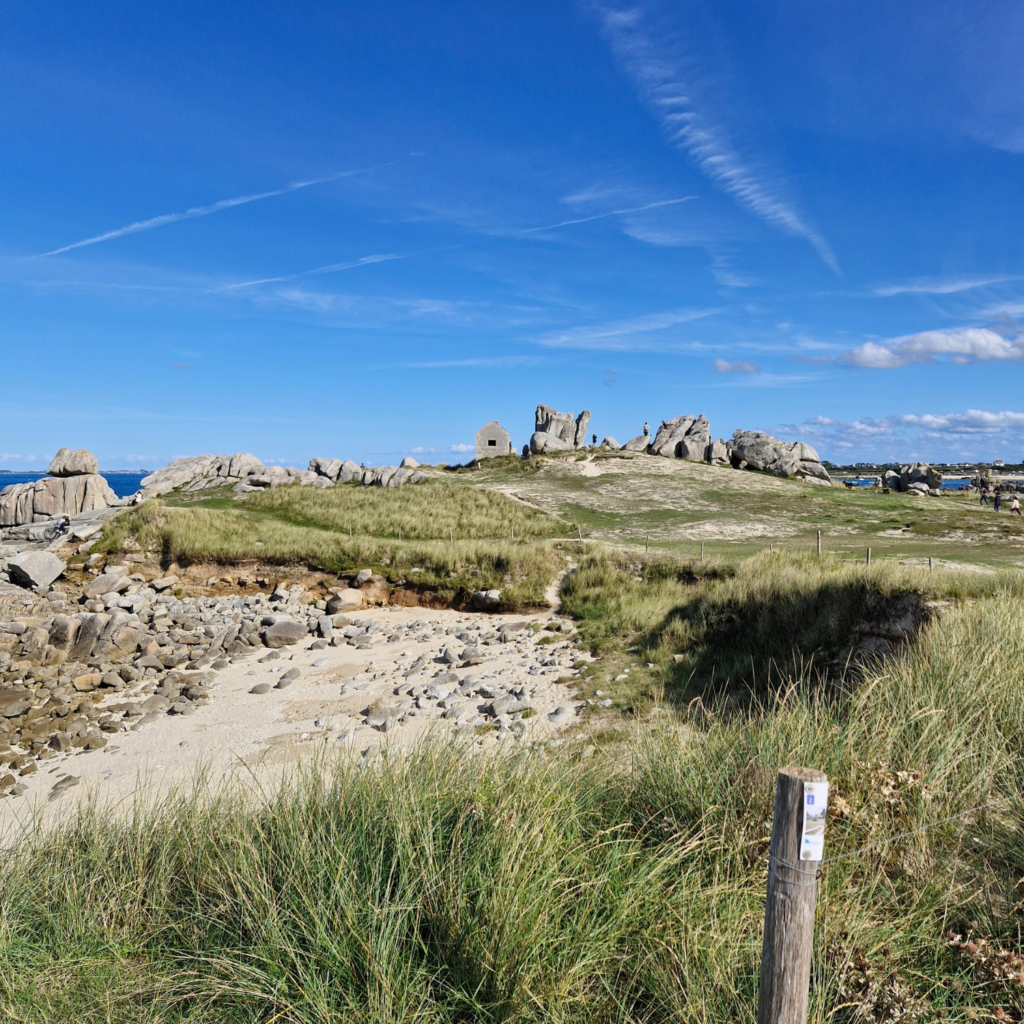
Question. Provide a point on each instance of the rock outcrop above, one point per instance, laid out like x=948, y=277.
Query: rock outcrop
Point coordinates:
x=637, y=444
x=369, y=476
x=77, y=488
x=335, y=469
x=197, y=472
x=245, y=473
x=73, y=463
x=917, y=477
x=753, y=449
x=683, y=437
x=558, y=431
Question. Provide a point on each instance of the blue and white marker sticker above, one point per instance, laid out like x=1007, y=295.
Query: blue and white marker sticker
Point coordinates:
x=812, y=840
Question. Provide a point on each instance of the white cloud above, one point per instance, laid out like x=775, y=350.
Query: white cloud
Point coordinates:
x=672, y=86
x=946, y=287
x=959, y=431
x=964, y=345
x=725, y=366
x=461, y=448
x=973, y=421
x=621, y=335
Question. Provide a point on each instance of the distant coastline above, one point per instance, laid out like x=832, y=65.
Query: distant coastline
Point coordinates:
x=123, y=482
x=103, y=472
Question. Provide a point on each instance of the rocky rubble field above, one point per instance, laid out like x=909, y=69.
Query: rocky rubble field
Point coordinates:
x=74, y=677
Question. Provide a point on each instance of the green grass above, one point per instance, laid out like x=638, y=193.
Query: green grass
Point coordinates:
x=675, y=505
x=626, y=886
x=744, y=630
x=285, y=530
x=425, y=511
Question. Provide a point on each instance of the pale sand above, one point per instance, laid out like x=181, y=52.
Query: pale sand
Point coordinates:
x=239, y=735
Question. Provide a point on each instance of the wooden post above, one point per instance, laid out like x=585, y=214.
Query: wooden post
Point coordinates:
x=451, y=537
x=929, y=563
x=579, y=531
x=869, y=557
x=350, y=533
x=771, y=549
x=512, y=534
x=789, y=908
x=647, y=543
x=819, y=543
x=702, y=551
x=399, y=533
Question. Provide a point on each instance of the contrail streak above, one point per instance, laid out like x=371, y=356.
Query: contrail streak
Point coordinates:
x=361, y=262
x=203, y=211
x=599, y=216
x=385, y=257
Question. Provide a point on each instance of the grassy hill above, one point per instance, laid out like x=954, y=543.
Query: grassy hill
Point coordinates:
x=626, y=499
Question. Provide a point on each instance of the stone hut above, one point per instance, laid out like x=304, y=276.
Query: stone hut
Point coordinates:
x=492, y=439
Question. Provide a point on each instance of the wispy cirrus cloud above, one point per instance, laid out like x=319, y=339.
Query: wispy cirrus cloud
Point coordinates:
x=948, y=286
x=734, y=366
x=623, y=335
x=682, y=98
x=963, y=345
x=204, y=211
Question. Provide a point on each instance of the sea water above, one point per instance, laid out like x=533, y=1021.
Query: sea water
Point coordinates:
x=122, y=484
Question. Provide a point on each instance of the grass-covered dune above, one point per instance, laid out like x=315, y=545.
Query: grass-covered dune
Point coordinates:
x=440, y=535
x=748, y=628
x=604, y=880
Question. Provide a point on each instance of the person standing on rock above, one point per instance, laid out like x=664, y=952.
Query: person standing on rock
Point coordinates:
x=647, y=430
x=997, y=501
x=1015, y=506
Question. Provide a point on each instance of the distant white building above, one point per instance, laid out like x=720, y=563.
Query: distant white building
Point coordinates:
x=998, y=462
x=492, y=439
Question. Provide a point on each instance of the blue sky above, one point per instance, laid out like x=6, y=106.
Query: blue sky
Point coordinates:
x=349, y=231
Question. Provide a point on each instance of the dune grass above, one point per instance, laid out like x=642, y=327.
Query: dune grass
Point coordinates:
x=626, y=886
x=521, y=569
x=425, y=511
x=717, y=629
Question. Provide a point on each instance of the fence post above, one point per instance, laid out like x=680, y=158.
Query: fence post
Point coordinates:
x=702, y=551
x=819, y=543
x=451, y=536
x=579, y=531
x=869, y=557
x=789, y=907
x=647, y=543
x=929, y=563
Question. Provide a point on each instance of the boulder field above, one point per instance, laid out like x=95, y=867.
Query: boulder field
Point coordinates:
x=136, y=651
